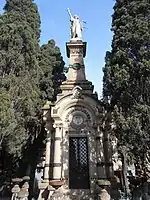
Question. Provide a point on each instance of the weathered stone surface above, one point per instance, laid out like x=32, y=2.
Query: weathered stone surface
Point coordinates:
x=104, y=195
x=73, y=197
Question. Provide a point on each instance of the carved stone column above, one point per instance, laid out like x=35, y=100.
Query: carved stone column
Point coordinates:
x=101, y=171
x=48, y=127
x=107, y=146
x=57, y=165
x=47, y=157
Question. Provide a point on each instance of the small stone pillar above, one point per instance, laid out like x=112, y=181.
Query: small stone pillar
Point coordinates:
x=57, y=165
x=23, y=194
x=15, y=190
x=48, y=128
x=47, y=157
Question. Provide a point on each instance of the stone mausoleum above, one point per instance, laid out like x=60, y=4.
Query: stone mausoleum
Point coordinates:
x=77, y=150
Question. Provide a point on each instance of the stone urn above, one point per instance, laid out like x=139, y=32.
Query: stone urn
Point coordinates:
x=103, y=184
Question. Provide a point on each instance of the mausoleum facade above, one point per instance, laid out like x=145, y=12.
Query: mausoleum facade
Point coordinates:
x=78, y=152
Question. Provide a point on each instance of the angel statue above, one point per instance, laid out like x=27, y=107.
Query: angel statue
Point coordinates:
x=76, y=26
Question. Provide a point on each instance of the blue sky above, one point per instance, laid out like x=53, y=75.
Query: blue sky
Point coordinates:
x=97, y=14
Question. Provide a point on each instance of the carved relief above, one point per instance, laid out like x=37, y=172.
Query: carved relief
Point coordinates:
x=77, y=60
x=77, y=120
x=77, y=93
x=78, y=117
x=76, y=51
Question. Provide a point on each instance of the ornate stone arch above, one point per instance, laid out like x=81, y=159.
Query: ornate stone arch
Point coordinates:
x=77, y=117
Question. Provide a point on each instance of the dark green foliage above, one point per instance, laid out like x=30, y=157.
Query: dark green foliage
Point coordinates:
x=19, y=38
x=29, y=75
x=19, y=76
x=8, y=125
x=27, y=11
x=127, y=76
x=19, y=72
x=52, y=66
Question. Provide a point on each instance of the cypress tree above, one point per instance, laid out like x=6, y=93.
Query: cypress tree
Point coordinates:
x=19, y=75
x=29, y=75
x=27, y=11
x=52, y=66
x=126, y=83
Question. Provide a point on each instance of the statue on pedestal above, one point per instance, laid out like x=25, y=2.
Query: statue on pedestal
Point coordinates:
x=76, y=26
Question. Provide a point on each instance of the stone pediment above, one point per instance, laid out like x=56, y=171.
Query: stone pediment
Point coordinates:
x=79, y=106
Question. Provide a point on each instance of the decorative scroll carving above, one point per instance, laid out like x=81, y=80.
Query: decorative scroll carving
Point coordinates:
x=81, y=109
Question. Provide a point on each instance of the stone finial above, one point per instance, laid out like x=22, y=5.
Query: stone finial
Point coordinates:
x=15, y=189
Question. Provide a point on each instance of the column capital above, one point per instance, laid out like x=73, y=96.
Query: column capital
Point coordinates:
x=57, y=125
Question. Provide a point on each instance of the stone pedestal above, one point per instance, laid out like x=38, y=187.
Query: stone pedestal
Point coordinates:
x=76, y=51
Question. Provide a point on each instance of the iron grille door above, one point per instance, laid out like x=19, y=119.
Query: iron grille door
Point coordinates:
x=78, y=163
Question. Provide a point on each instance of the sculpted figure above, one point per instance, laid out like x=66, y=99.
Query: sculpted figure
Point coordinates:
x=76, y=26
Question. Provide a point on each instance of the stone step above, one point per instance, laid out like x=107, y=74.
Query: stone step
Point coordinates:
x=74, y=197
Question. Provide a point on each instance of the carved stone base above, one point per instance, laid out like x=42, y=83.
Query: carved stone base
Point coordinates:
x=63, y=193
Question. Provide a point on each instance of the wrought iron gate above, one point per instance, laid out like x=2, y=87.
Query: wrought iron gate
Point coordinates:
x=78, y=163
